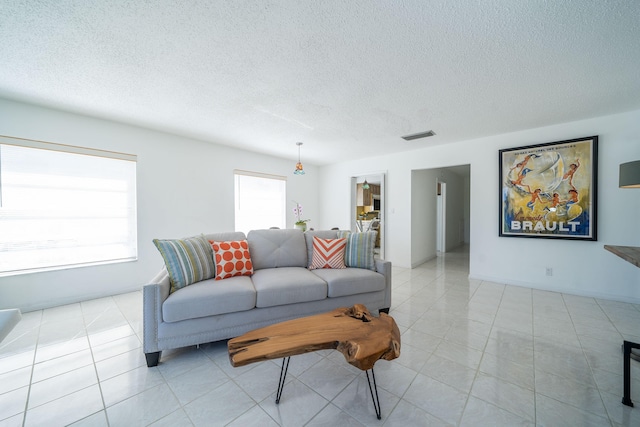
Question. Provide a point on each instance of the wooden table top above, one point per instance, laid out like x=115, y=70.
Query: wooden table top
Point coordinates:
x=628, y=253
x=362, y=338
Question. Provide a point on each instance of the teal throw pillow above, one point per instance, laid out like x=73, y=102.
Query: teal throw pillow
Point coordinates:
x=359, y=252
x=188, y=260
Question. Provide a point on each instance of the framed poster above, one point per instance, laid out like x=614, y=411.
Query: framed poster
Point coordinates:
x=549, y=190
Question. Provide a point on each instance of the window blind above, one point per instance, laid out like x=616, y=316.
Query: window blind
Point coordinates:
x=260, y=201
x=63, y=206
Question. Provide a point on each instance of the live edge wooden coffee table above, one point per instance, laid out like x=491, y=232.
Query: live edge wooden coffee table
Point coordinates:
x=362, y=338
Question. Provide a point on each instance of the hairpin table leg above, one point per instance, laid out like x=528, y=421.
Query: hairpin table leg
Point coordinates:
x=626, y=348
x=376, y=399
x=283, y=376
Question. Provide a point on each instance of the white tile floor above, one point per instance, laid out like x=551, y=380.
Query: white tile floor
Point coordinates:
x=473, y=354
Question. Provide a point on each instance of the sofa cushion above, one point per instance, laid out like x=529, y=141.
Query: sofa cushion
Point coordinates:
x=210, y=297
x=232, y=258
x=360, y=247
x=188, y=260
x=351, y=281
x=287, y=285
x=277, y=248
x=328, y=253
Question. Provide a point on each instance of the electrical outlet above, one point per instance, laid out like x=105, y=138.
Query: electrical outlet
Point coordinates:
x=549, y=271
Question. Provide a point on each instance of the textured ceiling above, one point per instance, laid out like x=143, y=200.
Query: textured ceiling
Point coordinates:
x=347, y=78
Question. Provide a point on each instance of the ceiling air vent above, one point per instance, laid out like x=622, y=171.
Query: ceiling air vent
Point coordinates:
x=418, y=135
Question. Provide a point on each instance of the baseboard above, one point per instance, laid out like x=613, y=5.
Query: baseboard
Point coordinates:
x=419, y=263
x=74, y=299
x=542, y=287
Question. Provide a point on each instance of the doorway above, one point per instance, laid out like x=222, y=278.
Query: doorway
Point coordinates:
x=439, y=223
x=368, y=207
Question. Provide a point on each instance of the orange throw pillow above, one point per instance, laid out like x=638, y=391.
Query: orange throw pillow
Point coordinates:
x=328, y=253
x=232, y=259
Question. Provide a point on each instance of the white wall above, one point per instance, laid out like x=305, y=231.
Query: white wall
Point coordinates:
x=423, y=216
x=579, y=267
x=467, y=209
x=185, y=187
x=454, y=233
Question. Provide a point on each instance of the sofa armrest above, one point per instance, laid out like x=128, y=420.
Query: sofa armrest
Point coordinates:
x=384, y=267
x=153, y=295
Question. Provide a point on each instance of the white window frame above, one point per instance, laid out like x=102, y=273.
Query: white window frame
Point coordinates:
x=65, y=215
x=254, y=211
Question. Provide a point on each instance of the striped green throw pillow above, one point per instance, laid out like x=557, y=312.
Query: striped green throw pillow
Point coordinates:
x=359, y=252
x=188, y=260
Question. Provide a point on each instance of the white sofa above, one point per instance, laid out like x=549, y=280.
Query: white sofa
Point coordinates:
x=281, y=288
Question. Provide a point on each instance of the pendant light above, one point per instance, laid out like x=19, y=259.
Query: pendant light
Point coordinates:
x=299, y=168
x=365, y=185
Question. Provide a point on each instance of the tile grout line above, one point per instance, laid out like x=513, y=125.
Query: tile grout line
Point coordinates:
x=609, y=415
x=475, y=377
x=165, y=382
x=95, y=367
x=577, y=316
x=33, y=367
x=91, y=349
x=430, y=355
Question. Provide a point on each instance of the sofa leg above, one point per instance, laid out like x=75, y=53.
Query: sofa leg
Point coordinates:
x=153, y=358
x=384, y=310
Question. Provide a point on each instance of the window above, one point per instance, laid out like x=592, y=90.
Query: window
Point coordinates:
x=63, y=206
x=260, y=201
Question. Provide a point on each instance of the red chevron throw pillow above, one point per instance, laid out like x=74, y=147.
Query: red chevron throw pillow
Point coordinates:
x=328, y=253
